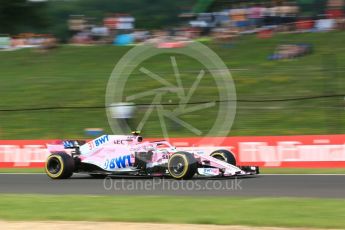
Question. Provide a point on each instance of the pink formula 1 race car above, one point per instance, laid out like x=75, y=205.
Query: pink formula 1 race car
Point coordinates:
x=130, y=155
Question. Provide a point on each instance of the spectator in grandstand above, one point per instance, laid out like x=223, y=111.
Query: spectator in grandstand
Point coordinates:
x=274, y=14
x=239, y=17
x=82, y=38
x=225, y=36
x=305, y=24
x=293, y=11
x=50, y=42
x=266, y=13
x=255, y=15
x=99, y=34
x=335, y=9
x=289, y=12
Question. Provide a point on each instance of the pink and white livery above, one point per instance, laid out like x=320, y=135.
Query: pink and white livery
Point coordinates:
x=130, y=155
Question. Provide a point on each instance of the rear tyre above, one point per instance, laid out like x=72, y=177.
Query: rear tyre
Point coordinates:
x=224, y=155
x=182, y=165
x=59, y=166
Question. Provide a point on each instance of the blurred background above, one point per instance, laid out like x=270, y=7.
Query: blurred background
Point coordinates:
x=286, y=58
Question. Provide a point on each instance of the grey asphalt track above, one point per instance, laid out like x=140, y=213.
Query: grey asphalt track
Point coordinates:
x=330, y=186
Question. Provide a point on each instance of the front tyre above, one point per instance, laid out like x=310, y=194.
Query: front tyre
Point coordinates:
x=182, y=165
x=59, y=166
x=228, y=157
x=224, y=155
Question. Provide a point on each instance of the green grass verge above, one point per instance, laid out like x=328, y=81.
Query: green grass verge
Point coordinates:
x=262, y=171
x=77, y=76
x=288, y=212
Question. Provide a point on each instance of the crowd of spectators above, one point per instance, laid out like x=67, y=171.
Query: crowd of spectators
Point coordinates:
x=225, y=26
x=265, y=19
x=28, y=40
x=257, y=15
x=114, y=28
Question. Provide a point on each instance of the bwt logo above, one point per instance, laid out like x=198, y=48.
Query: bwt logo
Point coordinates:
x=101, y=140
x=118, y=162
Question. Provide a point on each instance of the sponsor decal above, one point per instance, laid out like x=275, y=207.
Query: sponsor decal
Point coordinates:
x=23, y=153
x=208, y=171
x=119, y=162
x=290, y=151
x=119, y=142
x=98, y=142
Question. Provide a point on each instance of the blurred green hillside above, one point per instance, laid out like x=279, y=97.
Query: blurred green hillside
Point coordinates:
x=77, y=77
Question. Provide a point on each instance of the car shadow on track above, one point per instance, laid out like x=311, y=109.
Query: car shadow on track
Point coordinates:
x=131, y=177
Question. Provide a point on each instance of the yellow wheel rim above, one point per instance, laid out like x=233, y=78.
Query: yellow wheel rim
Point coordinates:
x=183, y=173
x=54, y=175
